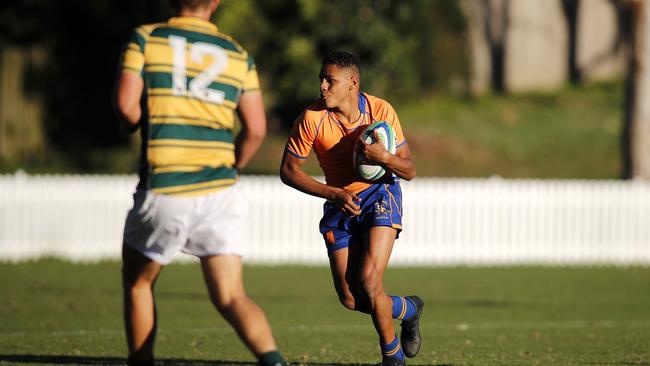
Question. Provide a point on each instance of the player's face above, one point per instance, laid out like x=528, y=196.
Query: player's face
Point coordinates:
x=335, y=85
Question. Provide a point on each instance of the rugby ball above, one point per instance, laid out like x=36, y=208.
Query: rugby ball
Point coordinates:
x=364, y=168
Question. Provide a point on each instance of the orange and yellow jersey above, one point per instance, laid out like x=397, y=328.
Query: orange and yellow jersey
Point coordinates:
x=333, y=141
x=193, y=77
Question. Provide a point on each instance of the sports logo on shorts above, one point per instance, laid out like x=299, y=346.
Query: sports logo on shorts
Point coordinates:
x=382, y=209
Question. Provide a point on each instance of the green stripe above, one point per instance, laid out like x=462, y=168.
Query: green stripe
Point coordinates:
x=138, y=40
x=212, y=186
x=162, y=180
x=195, y=37
x=251, y=63
x=164, y=81
x=184, y=132
x=189, y=146
x=149, y=66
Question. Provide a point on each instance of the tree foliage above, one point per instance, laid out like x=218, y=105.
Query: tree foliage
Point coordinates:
x=407, y=48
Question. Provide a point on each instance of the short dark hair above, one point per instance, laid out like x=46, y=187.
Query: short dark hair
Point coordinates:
x=177, y=5
x=343, y=59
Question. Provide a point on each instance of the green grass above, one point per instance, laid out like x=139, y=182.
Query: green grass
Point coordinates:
x=56, y=312
x=572, y=133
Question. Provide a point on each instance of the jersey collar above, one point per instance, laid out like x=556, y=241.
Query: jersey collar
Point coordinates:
x=193, y=22
x=362, y=103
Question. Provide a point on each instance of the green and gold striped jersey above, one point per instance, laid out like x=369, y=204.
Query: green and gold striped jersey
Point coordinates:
x=193, y=78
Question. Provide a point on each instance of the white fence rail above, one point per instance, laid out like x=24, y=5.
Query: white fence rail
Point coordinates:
x=446, y=221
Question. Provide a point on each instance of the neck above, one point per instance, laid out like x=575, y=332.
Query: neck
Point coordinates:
x=200, y=13
x=348, y=112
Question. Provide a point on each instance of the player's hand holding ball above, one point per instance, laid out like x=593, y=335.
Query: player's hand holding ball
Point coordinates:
x=373, y=150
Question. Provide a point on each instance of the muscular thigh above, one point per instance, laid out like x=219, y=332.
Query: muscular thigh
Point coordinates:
x=344, y=264
x=377, y=248
x=223, y=276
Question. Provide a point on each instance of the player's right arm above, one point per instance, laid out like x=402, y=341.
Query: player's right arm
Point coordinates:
x=292, y=175
x=130, y=84
x=129, y=92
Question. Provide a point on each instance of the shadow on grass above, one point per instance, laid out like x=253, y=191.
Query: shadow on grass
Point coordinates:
x=115, y=361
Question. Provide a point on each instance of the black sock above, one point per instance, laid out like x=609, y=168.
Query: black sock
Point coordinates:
x=132, y=362
x=273, y=358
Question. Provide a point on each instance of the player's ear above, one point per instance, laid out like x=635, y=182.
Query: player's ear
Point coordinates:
x=354, y=81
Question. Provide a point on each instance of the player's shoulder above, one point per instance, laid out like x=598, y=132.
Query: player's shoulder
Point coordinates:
x=315, y=111
x=145, y=30
x=380, y=108
x=378, y=103
x=238, y=47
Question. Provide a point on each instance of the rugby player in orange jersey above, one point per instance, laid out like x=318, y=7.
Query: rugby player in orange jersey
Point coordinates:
x=361, y=219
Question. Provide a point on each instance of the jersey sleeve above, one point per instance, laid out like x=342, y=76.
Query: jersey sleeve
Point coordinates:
x=302, y=136
x=133, y=58
x=251, y=81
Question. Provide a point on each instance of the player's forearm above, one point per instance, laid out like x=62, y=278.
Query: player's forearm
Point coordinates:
x=402, y=167
x=296, y=178
x=246, y=145
x=131, y=115
x=129, y=93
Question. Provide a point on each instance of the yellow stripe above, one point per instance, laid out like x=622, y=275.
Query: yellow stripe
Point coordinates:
x=169, y=105
x=196, y=187
x=178, y=169
x=223, y=78
x=185, y=101
x=394, y=351
x=399, y=209
x=164, y=156
x=183, y=120
x=159, y=63
x=191, y=143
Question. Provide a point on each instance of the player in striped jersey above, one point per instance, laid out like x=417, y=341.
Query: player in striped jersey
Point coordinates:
x=181, y=83
x=361, y=220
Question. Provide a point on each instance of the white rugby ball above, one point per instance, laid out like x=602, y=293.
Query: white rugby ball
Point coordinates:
x=367, y=170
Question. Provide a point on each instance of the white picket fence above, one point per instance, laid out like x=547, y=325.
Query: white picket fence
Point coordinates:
x=446, y=221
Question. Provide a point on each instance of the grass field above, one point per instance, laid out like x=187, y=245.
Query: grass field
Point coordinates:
x=54, y=312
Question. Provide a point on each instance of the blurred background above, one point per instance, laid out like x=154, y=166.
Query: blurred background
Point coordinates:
x=529, y=122
x=527, y=89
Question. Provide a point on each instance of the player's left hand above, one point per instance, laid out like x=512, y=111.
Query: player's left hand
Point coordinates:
x=375, y=151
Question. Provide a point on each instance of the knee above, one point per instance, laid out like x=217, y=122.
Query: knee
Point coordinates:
x=226, y=304
x=137, y=284
x=348, y=301
x=371, y=283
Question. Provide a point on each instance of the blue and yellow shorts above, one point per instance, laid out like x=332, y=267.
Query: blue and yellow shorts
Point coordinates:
x=381, y=205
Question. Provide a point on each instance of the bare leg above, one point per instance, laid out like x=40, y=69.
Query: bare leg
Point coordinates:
x=224, y=278
x=377, y=249
x=344, y=264
x=139, y=275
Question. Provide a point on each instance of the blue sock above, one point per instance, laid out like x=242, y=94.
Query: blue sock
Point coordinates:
x=392, y=349
x=403, y=308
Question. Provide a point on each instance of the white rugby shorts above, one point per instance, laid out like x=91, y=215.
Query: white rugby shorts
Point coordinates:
x=159, y=226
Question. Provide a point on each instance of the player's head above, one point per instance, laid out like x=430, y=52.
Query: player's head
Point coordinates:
x=193, y=5
x=340, y=75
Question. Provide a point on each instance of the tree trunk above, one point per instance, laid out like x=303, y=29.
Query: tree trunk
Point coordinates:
x=638, y=103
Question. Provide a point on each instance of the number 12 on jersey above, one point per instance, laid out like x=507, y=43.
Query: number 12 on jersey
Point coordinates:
x=199, y=86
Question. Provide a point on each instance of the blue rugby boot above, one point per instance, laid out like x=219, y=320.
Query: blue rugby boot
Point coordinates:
x=410, y=334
